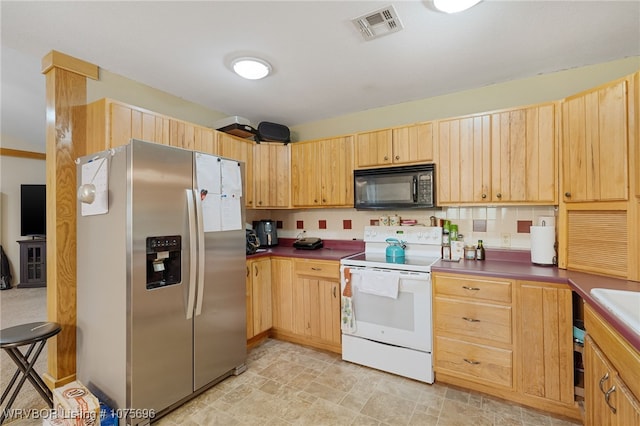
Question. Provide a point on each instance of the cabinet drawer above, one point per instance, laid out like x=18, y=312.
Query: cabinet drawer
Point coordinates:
x=316, y=268
x=475, y=362
x=480, y=320
x=475, y=289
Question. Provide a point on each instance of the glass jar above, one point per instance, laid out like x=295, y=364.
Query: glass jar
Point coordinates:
x=470, y=252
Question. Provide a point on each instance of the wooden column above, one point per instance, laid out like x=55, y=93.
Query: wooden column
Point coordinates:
x=66, y=93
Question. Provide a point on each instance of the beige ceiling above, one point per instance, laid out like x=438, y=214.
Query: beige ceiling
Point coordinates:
x=322, y=66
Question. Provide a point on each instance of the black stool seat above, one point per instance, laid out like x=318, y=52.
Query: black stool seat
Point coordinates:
x=35, y=335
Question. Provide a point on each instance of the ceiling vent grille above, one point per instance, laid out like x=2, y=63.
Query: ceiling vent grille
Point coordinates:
x=378, y=23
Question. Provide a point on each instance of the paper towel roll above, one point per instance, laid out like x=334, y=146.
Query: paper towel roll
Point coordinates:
x=543, y=239
x=546, y=221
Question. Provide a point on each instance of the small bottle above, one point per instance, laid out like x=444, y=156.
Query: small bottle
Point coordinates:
x=446, y=251
x=479, y=251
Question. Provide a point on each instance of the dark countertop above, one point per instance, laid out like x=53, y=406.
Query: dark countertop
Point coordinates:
x=332, y=250
x=514, y=265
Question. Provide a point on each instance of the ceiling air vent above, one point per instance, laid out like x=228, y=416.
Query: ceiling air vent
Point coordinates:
x=378, y=23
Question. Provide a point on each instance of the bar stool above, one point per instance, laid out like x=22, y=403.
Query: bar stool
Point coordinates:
x=35, y=335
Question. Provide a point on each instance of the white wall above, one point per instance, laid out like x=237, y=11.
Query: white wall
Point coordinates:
x=15, y=171
x=114, y=86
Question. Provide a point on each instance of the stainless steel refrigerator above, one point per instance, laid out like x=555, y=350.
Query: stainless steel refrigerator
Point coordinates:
x=160, y=275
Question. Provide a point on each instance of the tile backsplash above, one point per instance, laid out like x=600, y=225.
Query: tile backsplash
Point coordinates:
x=489, y=224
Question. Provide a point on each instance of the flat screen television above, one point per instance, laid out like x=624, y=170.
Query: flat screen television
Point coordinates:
x=33, y=210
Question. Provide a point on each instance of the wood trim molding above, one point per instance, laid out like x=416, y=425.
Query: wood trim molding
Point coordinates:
x=69, y=63
x=8, y=152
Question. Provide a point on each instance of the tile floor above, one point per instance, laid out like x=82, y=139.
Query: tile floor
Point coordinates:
x=287, y=384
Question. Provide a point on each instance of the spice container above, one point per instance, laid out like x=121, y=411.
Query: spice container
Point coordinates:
x=470, y=252
x=453, y=232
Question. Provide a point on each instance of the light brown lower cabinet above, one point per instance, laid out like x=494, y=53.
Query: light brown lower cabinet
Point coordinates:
x=612, y=369
x=508, y=338
x=306, y=297
x=259, y=308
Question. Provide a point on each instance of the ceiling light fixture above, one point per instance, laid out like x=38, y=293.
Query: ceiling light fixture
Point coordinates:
x=251, y=68
x=454, y=6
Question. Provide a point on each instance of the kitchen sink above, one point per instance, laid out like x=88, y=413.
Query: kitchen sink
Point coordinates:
x=624, y=304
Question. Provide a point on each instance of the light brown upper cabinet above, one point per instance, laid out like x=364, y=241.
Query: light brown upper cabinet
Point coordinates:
x=396, y=146
x=524, y=160
x=242, y=150
x=595, y=144
x=463, y=166
x=322, y=173
x=111, y=123
x=505, y=157
x=271, y=175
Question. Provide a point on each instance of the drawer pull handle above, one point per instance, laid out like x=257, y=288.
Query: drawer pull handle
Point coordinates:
x=470, y=319
x=606, y=398
x=313, y=268
x=471, y=361
x=470, y=288
x=602, y=380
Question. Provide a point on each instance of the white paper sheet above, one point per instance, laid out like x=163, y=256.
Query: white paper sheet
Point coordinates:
x=96, y=172
x=208, y=184
x=231, y=178
x=231, y=212
x=208, y=173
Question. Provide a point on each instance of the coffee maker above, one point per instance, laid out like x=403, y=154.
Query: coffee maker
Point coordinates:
x=267, y=233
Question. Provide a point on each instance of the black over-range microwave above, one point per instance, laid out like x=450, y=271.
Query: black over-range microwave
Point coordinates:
x=394, y=188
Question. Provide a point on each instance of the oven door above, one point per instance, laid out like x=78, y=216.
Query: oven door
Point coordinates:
x=402, y=321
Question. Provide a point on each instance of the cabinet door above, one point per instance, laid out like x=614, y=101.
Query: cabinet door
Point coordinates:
x=595, y=145
x=320, y=313
x=413, y=144
x=336, y=169
x=120, y=124
x=271, y=174
x=261, y=295
x=317, y=301
x=374, y=148
x=249, y=301
x=464, y=160
x=626, y=405
x=205, y=141
x=598, y=377
x=182, y=134
x=282, y=294
x=306, y=173
x=329, y=307
x=545, y=340
x=523, y=155
x=241, y=150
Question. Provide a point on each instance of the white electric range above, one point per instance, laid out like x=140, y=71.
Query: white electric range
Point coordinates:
x=387, y=320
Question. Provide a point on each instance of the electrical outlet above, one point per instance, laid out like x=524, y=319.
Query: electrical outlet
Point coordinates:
x=505, y=240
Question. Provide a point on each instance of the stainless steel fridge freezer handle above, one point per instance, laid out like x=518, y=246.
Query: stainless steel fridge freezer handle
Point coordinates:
x=191, y=210
x=200, y=278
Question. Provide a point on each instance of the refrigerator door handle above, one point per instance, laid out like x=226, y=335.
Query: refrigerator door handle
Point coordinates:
x=196, y=196
x=191, y=210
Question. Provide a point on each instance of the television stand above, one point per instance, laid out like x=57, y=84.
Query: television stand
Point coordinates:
x=33, y=263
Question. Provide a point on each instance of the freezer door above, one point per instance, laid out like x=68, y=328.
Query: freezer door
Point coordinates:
x=220, y=312
x=160, y=353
